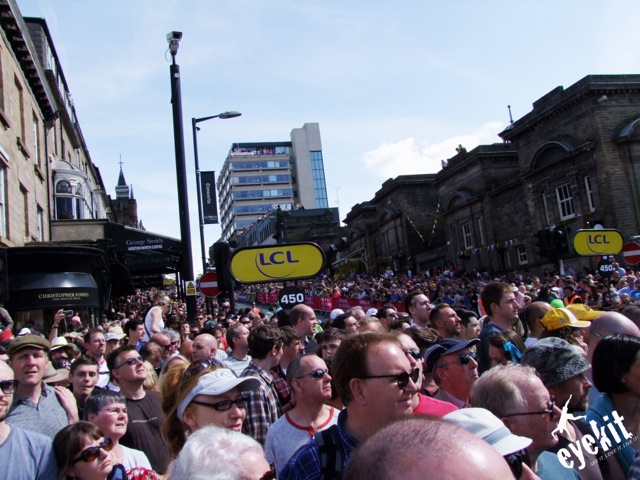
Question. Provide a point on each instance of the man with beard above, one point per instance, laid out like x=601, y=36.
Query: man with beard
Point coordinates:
x=562, y=368
x=499, y=301
x=446, y=321
x=24, y=455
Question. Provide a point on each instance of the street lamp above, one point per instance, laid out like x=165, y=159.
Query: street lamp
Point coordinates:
x=195, y=128
x=186, y=267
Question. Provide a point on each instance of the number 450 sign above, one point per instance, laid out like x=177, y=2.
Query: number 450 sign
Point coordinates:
x=289, y=297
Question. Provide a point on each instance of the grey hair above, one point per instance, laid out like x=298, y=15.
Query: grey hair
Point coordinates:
x=213, y=453
x=171, y=334
x=99, y=399
x=499, y=389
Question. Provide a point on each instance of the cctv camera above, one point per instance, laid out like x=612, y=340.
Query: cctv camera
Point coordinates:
x=174, y=36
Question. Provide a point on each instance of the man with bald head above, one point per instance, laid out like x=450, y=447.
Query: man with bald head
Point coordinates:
x=205, y=347
x=409, y=449
x=24, y=455
x=609, y=323
x=533, y=313
x=303, y=320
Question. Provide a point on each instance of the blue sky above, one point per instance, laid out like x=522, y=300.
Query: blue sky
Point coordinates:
x=395, y=87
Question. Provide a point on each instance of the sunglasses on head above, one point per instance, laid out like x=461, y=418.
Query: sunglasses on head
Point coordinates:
x=402, y=378
x=91, y=453
x=197, y=367
x=131, y=361
x=515, y=461
x=225, y=405
x=319, y=373
x=270, y=475
x=9, y=387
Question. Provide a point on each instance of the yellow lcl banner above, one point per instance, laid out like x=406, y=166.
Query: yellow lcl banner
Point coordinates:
x=293, y=261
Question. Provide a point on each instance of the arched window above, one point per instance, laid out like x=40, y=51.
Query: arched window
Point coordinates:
x=69, y=201
x=63, y=186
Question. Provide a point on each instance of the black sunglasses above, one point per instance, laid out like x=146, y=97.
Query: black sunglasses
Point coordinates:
x=463, y=359
x=225, y=405
x=91, y=453
x=319, y=373
x=130, y=362
x=197, y=367
x=9, y=387
x=270, y=475
x=413, y=352
x=515, y=461
x=401, y=378
x=548, y=411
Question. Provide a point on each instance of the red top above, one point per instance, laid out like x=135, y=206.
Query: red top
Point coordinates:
x=433, y=406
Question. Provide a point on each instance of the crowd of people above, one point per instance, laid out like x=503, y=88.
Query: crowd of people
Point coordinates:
x=453, y=375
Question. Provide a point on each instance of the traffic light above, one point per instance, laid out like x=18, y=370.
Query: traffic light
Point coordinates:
x=561, y=239
x=540, y=243
x=222, y=259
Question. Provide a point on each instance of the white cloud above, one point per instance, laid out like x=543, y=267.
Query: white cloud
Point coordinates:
x=412, y=156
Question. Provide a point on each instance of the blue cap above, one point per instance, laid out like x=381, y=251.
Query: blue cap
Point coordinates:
x=445, y=347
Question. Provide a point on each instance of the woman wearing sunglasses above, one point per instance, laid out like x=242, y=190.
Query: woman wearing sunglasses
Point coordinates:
x=82, y=453
x=199, y=395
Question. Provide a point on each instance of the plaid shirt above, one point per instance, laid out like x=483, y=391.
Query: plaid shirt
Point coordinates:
x=281, y=385
x=305, y=463
x=264, y=408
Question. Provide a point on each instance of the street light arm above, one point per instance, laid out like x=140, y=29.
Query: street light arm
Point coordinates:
x=222, y=116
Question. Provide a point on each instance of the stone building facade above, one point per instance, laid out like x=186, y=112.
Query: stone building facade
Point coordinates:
x=571, y=163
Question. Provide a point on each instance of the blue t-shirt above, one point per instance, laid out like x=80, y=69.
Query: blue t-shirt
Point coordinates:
x=26, y=455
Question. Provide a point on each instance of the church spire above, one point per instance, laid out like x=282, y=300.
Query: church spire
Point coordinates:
x=122, y=190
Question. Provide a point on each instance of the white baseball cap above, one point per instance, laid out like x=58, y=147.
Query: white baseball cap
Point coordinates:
x=216, y=383
x=485, y=425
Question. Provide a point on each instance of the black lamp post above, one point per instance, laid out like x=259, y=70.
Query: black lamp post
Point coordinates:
x=195, y=128
x=186, y=266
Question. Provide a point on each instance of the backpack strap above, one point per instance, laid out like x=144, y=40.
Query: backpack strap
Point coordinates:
x=331, y=453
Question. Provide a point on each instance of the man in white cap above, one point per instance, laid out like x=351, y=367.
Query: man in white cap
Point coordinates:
x=485, y=425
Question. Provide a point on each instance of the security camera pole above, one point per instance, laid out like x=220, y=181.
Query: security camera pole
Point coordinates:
x=186, y=264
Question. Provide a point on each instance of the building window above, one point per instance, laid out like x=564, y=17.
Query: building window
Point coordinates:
x=36, y=141
x=466, y=235
x=40, y=224
x=589, y=191
x=522, y=255
x=319, y=183
x=1, y=84
x=3, y=201
x=481, y=231
x=565, y=202
x=69, y=202
x=25, y=208
x=21, y=109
